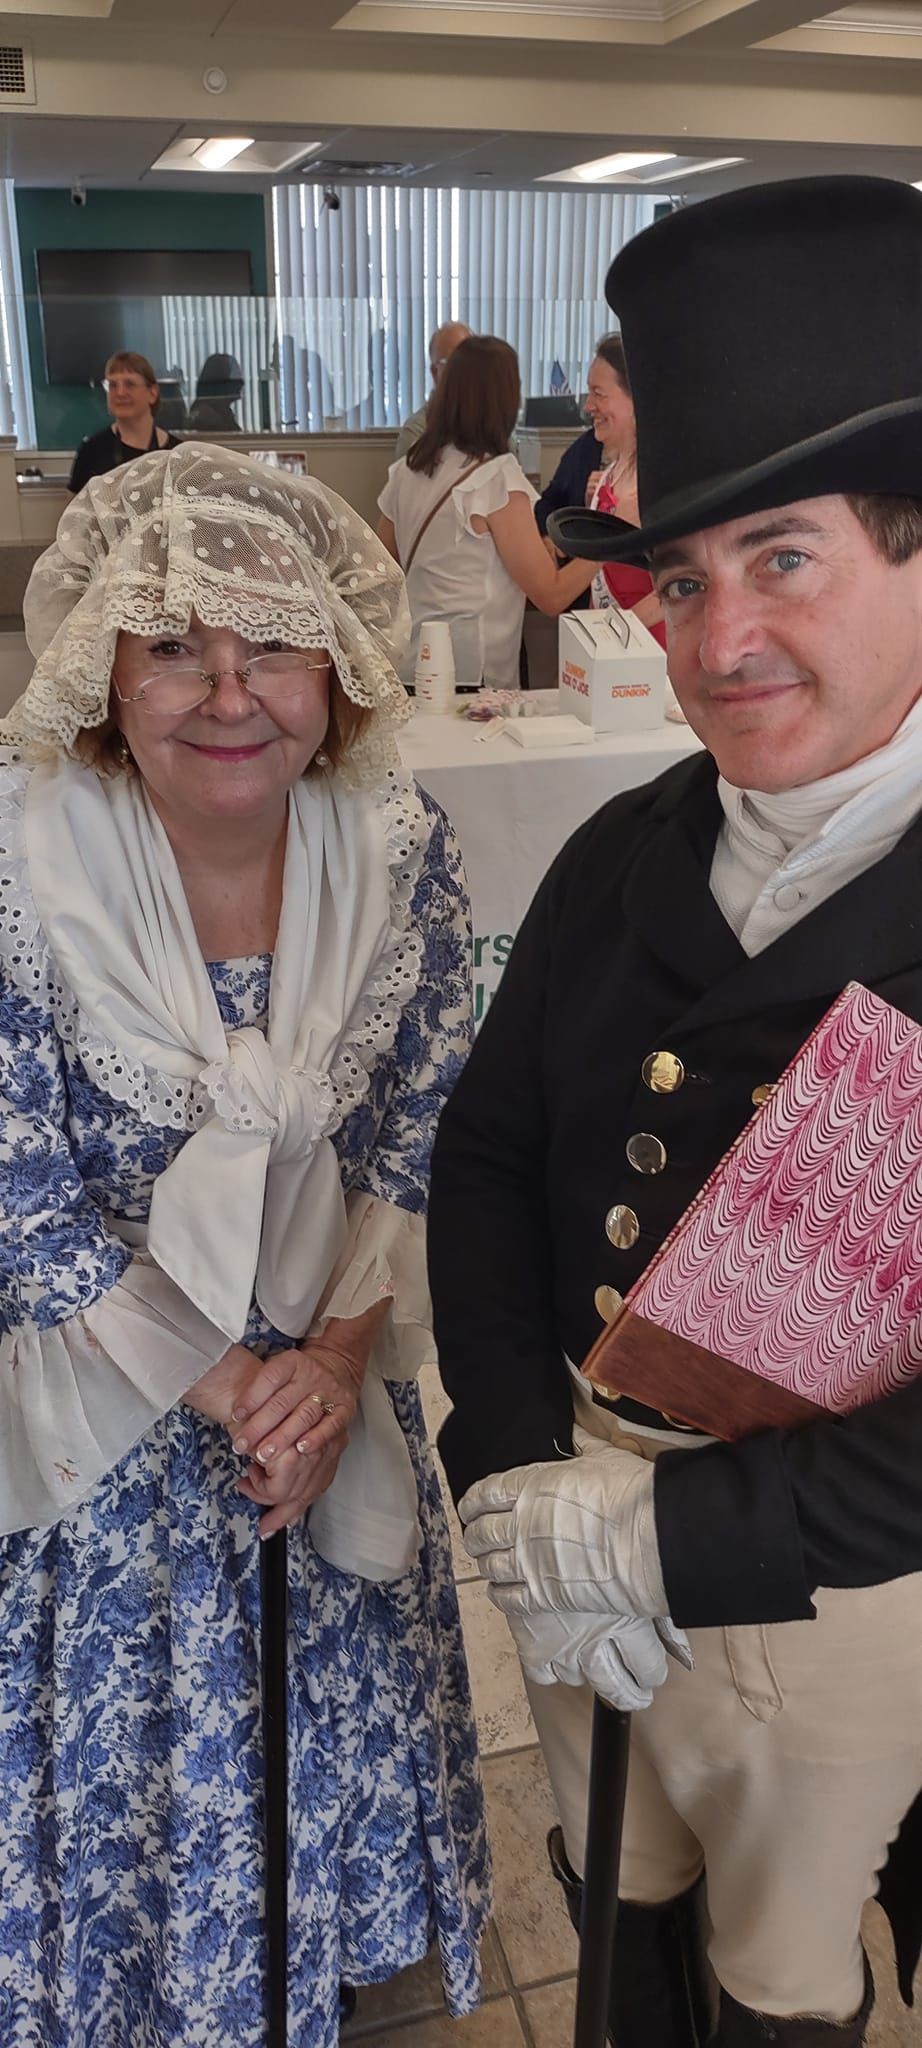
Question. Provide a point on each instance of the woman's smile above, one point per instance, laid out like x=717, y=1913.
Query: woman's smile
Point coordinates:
x=229, y=753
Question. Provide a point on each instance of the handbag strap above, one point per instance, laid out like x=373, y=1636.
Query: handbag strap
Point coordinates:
x=437, y=507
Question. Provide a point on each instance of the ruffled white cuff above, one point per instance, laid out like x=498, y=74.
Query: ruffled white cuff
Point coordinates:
x=384, y=1259
x=75, y=1398
x=367, y=1522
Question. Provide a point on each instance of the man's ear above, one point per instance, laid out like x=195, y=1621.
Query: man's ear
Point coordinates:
x=913, y=569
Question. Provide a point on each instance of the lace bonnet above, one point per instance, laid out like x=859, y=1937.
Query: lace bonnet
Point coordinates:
x=245, y=546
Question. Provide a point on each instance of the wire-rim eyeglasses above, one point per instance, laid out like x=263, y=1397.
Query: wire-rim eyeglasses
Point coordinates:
x=181, y=689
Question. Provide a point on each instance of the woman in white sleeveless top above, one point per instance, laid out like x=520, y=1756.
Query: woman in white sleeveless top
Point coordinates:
x=457, y=515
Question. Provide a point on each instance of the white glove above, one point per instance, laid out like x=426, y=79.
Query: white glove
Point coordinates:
x=574, y=1537
x=622, y=1660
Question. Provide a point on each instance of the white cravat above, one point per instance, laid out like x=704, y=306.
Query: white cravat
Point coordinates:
x=778, y=857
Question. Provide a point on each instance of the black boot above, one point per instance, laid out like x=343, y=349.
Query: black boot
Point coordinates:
x=662, y=1989
x=740, y=2028
x=570, y=1884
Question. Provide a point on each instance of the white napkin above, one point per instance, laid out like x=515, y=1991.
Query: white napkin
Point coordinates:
x=562, y=731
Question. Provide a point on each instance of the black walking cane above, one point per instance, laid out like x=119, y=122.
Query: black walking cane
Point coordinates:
x=273, y=1581
x=611, y=1735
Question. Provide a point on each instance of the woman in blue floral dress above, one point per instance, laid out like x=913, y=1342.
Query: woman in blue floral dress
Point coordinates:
x=233, y=963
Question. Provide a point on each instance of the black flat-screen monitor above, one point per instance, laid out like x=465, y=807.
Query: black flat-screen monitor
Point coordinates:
x=561, y=411
x=95, y=301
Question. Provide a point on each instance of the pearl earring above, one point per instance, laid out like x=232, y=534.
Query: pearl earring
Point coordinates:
x=321, y=760
x=123, y=750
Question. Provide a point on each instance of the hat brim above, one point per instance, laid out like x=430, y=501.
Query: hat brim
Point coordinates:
x=878, y=452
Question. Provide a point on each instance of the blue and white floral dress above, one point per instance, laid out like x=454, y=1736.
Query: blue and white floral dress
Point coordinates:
x=131, y=1863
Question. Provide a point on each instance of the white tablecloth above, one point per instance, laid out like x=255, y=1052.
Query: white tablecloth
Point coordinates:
x=513, y=809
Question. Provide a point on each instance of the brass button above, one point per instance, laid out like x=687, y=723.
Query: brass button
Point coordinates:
x=608, y=1301
x=621, y=1227
x=663, y=1072
x=762, y=1093
x=646, y=1153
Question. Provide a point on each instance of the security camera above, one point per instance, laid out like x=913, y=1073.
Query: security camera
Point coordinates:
x=331, y=199
x=77, y=195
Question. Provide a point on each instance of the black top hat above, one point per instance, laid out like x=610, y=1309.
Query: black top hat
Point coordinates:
x=774, y=342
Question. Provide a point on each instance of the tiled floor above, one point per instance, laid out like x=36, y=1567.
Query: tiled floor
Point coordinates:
x=530, y=1954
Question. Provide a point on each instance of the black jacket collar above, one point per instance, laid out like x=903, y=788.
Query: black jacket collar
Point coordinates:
x=867, y=931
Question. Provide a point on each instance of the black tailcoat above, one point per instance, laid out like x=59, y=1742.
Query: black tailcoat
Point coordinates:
x=624, y=953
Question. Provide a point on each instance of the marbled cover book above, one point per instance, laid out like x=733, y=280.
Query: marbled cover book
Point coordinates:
x=793, y=1283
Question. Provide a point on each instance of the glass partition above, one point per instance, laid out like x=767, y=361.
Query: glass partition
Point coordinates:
x=274, y=366
x=341, y=343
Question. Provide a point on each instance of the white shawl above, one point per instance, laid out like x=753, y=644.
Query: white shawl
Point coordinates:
x=253, y=1200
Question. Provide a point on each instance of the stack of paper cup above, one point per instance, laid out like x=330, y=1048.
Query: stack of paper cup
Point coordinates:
x=435, y=667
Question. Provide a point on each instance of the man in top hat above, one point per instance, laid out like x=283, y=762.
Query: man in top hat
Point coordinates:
x=683, y=946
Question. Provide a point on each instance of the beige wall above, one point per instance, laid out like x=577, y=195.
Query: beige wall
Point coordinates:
x=353, y=465
x=15, y=669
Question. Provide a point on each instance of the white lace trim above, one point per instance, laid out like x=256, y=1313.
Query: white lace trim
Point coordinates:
x=162, y=1100
x=212, y=532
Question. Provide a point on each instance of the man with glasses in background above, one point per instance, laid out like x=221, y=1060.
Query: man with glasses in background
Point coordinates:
x=442, y=345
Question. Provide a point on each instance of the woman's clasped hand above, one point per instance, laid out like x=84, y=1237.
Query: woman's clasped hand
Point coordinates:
x=289, y=1415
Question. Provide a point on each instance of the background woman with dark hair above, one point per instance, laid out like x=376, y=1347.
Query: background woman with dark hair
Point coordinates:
x=132, y=395
x=457, y=515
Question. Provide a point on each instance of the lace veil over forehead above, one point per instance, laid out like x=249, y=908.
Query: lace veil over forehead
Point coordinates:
x=210, y=531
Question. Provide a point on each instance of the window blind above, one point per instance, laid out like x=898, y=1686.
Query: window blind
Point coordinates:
x=360, y=290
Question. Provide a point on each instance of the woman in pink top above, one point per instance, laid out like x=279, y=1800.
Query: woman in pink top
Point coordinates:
x=613, y=488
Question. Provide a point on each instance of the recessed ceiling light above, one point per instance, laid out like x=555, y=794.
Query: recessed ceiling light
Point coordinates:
x=268, y=157
x=222, y=149
x=626, y=160
x=717, y=163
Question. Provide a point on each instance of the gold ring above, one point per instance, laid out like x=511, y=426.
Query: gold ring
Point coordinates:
x=329, y=1407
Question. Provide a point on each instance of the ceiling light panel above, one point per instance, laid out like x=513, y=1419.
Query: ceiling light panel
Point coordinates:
x=680, y=170
x=625, y=163
x=265, y=157
x=640, y=169
x=220, y=150
x=616, y=166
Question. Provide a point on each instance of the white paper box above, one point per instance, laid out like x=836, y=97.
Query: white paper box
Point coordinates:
x=612, y=673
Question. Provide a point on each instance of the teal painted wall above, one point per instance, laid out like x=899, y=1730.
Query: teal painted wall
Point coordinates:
x=121, y=220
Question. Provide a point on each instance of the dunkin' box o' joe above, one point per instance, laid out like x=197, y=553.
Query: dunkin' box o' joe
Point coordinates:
x=612, y=672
